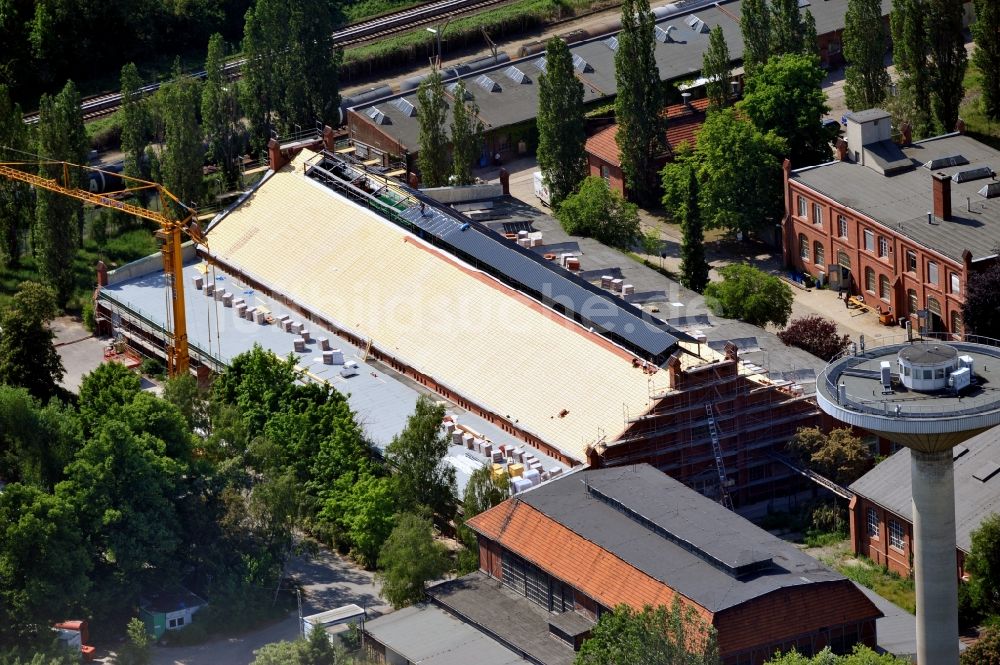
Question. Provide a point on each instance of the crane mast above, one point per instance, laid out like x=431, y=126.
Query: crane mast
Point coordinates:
x=170, y=235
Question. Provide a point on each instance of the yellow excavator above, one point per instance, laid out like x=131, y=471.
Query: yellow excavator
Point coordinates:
x=169, y=234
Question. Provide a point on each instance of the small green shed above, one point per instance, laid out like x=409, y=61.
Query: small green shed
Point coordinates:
x=168, y=610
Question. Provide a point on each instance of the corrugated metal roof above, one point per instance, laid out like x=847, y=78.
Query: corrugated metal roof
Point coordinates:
x=888, y=485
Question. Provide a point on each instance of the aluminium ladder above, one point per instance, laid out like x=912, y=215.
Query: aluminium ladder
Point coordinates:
x=719, y=463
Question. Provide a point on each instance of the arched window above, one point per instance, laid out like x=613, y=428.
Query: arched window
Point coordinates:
x=956, y=323
x=804, y=247
x=883, y=287
x=933, y=306
x=843, y=260
x=869, y=280
x=911, y=301
x=819, y=253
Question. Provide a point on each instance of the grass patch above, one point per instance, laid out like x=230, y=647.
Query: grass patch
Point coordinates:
x=356, y=12
x=815, y=538
x=977, y=124
x=867, y=573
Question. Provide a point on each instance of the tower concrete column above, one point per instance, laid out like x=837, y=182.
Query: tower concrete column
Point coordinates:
x=935, y=568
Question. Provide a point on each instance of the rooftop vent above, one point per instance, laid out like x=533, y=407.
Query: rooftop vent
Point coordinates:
x=404, y=106
x=516, y=75
x=973, y=174
x=378, y=117
x=487, y=84
x=611, y=43
x=990, y=191
x=581, y=65
x=696, y=24
x=539, y=63
x=664, y=35
x=945, y=162
x=452, y=88
x=986, y=471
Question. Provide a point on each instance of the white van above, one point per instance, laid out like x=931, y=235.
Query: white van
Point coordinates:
x=541, y=190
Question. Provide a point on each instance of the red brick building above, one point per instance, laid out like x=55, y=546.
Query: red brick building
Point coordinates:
x=595, y=539
x=882, y=509
x=603, y=159
x=901, y=226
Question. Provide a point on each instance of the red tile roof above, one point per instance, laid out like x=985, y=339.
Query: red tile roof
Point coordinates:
x=569, y=557
x=683, y=124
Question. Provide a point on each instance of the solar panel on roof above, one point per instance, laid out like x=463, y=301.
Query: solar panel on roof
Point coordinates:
x=581, y=65
x=611, y=43
x=404, y=106
x=487, y=84
x=945, y=162
x=516, y=75
x=990, y=191
x=973, y=174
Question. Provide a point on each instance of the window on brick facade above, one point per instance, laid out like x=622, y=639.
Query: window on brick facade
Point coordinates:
x=883, y=287
x=802, y=207
x=911, y=261
x=872, y=517
x=843, y=260
x=841, y=226
x=869, y=280
x=804, y=247
x=932, y=272
x=956, y=323
x=819, y=253
x=817, y=213
x=869, y=240
x=953, y=283
x=911, y=301
x=895, y=535
x=606, y=173
x=883, y=246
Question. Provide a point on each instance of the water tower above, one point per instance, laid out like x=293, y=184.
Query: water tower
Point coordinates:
x=929, y=396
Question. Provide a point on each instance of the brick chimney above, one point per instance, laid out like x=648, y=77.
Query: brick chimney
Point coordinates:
x=841, y=150
x=907, y=131
x=275, y=157
x=505, y=181
x=102, y=274
x=329, y=140
x=942, y=196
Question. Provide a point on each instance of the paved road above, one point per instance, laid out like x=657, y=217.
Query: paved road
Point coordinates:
x=327, y=581
x=80, y=351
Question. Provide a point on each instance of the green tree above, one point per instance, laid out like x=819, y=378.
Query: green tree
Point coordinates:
x=220, y=113
x=183, y=154
x=639, y=101
x=104, y=392
x=786, y=28
x=597, y=212
x=861, y=655
x=649, y=637
x=16, y=202
x=466, y=136
x=368, y=510
x=750, y=294
x=432, y=110
x=866, y=80
x=986, y=650
x=257, y=383
x=981, y=307
x=694, y=267
x=810, y=40
x=36, y=442
x=946, y=46
x=986, y=57
x=44, y=565
x=409, y=559
x=908, y=25
x=785, y=97
x=717, y=69
x=136, y=122
x=739, y=174
x=59, y=218
x=278, y=653
x=840, y=455
x=318, y=649
x=137, y=648
x=562, y=132
x=416, y=455
x=27, y=355
x=755, y=25
x=484, y=490
x=983, y=564
x=183, y=392
x=816, y=335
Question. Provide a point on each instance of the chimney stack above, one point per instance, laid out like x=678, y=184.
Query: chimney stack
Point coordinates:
x=686, y=97
x=942, y=196
x=841, y=150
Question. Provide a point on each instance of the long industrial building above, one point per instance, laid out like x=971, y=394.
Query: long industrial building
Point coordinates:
x=524, y=351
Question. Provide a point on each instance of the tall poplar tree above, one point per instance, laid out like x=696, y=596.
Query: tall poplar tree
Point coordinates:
x=16, y=203
x=866, y=80
x=136, y=122
x=220, y=113
x=466, y=134
x=946, y=46
x=183, y=153
x=694, y=267
x=786, y=28
x=716, y=69
x=639, y=102
x=432, y=110
x=755, y=24
x=58, y=218
x=986, y=57
x=908, y=22
x=810, y=40
x=561, y=130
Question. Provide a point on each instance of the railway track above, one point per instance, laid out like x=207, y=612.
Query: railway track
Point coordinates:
x=376, y=28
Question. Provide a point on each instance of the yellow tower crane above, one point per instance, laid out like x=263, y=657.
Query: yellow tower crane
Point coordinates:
x=169, y=234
